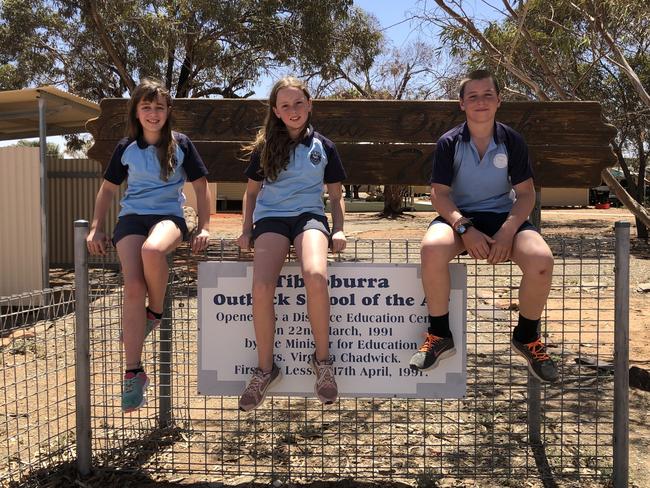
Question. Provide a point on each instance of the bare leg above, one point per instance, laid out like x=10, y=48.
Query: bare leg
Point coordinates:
x=439, y=246
x=533, y=256
x=163, y=239
x=270, y=252
x=135, y=290
x=311, y=249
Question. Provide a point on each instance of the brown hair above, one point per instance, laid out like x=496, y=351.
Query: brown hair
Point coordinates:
x=478, y=74
x=148, y=90
x=272, y=140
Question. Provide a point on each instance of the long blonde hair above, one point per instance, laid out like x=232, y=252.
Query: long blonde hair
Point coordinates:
x=148, y=90
x=272, y=140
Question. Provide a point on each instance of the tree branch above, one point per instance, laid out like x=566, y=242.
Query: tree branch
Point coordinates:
x=626, y=199
x=488, y=46
x=108, y=45
x=548, y=73
x=619, y=57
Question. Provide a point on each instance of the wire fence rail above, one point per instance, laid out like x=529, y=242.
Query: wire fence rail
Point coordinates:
x=507, y=429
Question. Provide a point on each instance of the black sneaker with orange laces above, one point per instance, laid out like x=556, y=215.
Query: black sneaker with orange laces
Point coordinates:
x=539, y=362
x=432, y=351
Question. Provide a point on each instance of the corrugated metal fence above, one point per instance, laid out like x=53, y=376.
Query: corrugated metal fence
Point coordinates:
x=72, y=188
x=20, y=220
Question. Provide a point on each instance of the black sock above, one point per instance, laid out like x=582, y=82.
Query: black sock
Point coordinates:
x=439, y=326
x=526, y=330
x=156, y=315
x=137, y=370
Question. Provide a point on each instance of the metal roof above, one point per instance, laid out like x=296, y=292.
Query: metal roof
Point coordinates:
x=65, y=113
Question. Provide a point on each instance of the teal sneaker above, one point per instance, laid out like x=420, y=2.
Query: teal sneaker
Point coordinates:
x=133, y=391
x=152, y=324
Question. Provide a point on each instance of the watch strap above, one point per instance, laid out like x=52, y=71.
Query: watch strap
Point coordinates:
x=462, y=221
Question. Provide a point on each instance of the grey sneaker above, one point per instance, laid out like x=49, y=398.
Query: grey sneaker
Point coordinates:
x=539, y=362
x=325, y=387
x=433, y=350
x=255, y=392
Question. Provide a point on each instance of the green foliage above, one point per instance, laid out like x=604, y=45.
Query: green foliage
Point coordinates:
x=197, y=47
x=53, y=149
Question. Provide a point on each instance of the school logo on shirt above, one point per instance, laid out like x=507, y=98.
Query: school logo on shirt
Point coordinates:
x=500, y=160
x=315, y=157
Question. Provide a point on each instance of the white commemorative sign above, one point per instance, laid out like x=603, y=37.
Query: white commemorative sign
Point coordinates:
x=378, y=319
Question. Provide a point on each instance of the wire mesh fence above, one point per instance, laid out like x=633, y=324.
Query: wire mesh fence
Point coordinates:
x=484, y=435
x=37, y=357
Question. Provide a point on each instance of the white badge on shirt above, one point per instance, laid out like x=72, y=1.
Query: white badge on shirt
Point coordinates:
x=315, y=157
x=500, y=160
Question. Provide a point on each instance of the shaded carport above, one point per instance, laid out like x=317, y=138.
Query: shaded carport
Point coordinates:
x=41, y=112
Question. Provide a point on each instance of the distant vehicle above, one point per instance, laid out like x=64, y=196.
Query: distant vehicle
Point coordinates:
x=600, y=195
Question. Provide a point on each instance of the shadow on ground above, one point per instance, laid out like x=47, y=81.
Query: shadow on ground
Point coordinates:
x=66, y=476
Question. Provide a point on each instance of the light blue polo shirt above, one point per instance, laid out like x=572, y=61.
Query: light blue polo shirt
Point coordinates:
x=147, y=193
x=298, y=188
x=481, y=184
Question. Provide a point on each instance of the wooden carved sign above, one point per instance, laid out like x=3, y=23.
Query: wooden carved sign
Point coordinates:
x=383, y=141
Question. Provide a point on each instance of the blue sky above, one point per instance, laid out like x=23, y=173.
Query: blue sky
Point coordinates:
x=392, y=16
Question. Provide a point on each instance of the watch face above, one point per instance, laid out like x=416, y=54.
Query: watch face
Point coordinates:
x=461, y=229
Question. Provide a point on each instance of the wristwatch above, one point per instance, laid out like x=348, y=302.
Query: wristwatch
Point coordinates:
x=462, y=225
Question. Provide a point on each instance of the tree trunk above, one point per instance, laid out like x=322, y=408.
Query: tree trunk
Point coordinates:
x=392, y=200
x=641, y=229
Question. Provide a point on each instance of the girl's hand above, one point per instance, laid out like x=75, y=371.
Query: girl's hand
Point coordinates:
x=245, y=240
x=338, y=241
x=97, y=241
x=200, y=241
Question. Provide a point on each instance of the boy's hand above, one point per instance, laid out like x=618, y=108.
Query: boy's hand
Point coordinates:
x=338, y=241
x=476, y=243
x=245, y=240
x=501, y=249
x=200, y=241
x=97, y=241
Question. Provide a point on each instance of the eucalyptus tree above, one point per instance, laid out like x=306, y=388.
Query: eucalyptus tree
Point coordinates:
x=197, y=47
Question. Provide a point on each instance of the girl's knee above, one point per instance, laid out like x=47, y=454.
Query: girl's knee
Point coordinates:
x=152, y=253
x=314, y=280
x=262, y=288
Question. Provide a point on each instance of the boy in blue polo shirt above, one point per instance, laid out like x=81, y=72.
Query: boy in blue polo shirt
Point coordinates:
x=476, y=168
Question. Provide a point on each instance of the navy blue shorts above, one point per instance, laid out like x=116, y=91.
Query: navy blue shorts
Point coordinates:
x=291, y=227
x=141, y=225
x=488, y=222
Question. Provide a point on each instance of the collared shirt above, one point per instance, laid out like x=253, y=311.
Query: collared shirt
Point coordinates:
x=481, y=184
x=299, y=187
x=147, y=193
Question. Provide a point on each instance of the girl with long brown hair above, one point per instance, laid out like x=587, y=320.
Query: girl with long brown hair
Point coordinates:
x=283, y=205
x=156, y=162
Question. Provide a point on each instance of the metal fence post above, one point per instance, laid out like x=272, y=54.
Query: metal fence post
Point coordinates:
x=534, y=386
x=536, y=214
x=621, y=354
x=165, y=355
x=82, y=348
